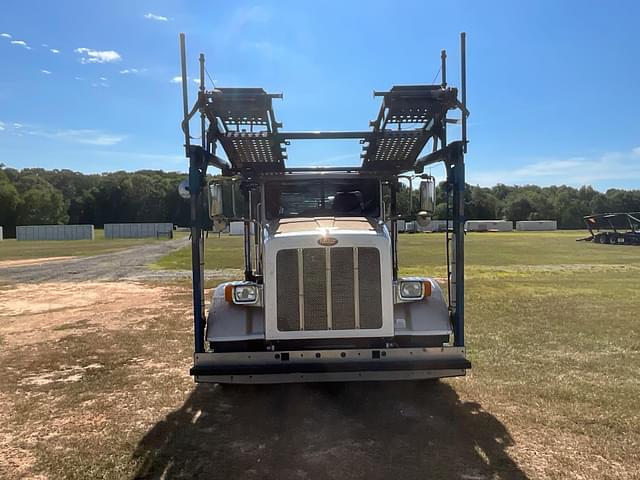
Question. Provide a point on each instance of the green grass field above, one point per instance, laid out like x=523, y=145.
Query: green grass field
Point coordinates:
x=552, y=331
x=517, y=253
x=11, y=249
x=554, y=391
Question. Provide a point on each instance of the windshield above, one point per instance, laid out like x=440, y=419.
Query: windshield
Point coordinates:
x=314, y=198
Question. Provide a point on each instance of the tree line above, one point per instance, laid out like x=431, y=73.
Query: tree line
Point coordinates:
x=35, y=196
x=567, y=205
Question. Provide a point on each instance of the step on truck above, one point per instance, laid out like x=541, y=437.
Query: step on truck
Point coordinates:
x=321, y=298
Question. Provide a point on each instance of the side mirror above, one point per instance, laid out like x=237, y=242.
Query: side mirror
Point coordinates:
x=427, y=201
x=428, y=196
x=183, y=189
x=214, y=196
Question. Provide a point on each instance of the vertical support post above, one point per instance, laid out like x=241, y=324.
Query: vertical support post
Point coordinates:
x=203, y=136
x=185, y=93
x=394, y=228
x=197, y=170
x=203, y=132
x=463, y=87
x=248, y=271
x=458, y=243
x=196, y=177
x=443, y=68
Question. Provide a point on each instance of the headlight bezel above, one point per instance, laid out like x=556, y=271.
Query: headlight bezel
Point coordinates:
x=250, y=300
x=402, y=284
x=232, y=289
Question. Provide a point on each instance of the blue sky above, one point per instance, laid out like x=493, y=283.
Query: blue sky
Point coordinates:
x=552, y=85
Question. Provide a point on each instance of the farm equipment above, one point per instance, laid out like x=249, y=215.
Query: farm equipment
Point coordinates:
x=321, y=298
x=613, y=228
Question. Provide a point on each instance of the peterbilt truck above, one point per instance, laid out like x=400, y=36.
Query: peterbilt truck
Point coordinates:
x=322, y=298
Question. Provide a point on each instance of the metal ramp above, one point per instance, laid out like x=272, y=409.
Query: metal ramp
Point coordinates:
x=422, y=108
x=243, y=121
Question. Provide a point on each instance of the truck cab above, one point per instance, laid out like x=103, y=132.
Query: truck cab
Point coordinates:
x=321, y=298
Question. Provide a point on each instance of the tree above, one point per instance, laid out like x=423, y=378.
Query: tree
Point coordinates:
x=518, y=208
x=9, y=202
x=40, y=203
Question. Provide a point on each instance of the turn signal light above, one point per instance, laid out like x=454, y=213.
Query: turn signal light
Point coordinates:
x=427, y=288
x=228, y=293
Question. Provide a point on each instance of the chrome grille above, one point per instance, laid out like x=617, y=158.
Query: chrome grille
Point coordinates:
x=342, y=283
x=328, y=289
x=287, y=290
x=315, y=288
x=370, y=299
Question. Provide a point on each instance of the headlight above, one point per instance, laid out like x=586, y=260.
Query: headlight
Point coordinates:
x=411, y=290
x=245, y=294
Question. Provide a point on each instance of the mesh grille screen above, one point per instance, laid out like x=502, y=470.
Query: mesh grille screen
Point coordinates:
x=287, y=290
x=315, y=289
x=342, y=306
x=342, y=289
x=369, y=280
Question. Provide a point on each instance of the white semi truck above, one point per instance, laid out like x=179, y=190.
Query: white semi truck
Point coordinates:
x=321, y=298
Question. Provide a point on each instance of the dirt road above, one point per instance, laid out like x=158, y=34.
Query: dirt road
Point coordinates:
x=130, y=263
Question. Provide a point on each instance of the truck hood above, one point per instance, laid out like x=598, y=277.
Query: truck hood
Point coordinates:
x=324, y=226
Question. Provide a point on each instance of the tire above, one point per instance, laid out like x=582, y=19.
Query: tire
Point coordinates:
x=603, y=238
x=613, y=239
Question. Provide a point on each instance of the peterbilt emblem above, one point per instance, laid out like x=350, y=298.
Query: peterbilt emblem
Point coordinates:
x=327, y=241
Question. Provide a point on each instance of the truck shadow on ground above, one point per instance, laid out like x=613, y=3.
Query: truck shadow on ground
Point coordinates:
x=357, y=430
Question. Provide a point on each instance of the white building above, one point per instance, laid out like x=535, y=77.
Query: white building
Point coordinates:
x=537, y=225
x=488, y=225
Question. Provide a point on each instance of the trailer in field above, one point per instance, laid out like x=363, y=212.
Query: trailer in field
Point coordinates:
x=613, y=228
x=54, y=232
x=536, y=225
x=138, y=230
x=489, y=225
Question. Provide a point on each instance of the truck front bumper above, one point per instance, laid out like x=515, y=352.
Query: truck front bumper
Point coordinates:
x=298, y=366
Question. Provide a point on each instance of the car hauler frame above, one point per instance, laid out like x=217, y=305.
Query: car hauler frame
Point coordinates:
x=613, y=228
x=243, y=123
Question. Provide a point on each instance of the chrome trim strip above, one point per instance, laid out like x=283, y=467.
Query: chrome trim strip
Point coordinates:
x=356, y=288
x=301, y=288
x=328, y=288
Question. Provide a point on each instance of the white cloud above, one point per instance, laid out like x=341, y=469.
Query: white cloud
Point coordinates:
x=98, y=56
x=54, y=50
x=44, y=45
x=78, y=78
x=132, y=71
x=159, y=18
x=5, y=35
x=607, y=167
x=103, y=79
x=1, y=126
x=20, y=43
x=178, y=79
x=17, y=125
x=46, y=72
x=81, y=136
x=90, y=137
